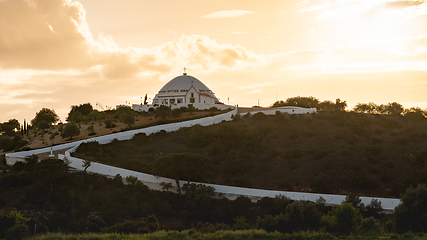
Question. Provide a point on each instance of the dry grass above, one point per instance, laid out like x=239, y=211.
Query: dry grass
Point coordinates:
x=43, y=140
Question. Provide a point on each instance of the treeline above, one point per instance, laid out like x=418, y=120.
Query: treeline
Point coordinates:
x=392, y=108
x=11, y=134
x=312, y=102
x=45, y=196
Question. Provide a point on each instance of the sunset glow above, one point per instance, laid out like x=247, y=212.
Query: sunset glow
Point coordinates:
x=58, y=53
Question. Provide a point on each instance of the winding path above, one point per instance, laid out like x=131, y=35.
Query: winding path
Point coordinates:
x=154, y=183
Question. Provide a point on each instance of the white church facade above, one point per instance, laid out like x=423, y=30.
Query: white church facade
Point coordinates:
x=181, y=91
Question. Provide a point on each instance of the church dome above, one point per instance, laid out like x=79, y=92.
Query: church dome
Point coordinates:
x=184, y=82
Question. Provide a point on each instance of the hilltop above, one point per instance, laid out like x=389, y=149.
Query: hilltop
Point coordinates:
x=330, y=152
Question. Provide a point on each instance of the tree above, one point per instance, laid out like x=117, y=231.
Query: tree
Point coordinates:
x=414, y=114
x=394, y=108
x=191, y=108
x=295, y=217
x=86, y=164
x=128, y=119
x=306, y=102
x=10, y=127
x=185, y=166
x=31, y=160
x=326, y=105
x=411, y=213
x=109, y=123
x=131, y=180
x=176, y=112
x=51, y=171
x=74, y=117
x=43, y=125
x=355, y=201
x=163, y=111
x=84, y=108
x=47, y=115
x=70, y=131
x=145, y=99
x=19, y=230
x=362, y=108
x=340, y=105
x=343, y=219
x=124, y=110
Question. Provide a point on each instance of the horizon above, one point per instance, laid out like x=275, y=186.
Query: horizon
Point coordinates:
x=60, y=53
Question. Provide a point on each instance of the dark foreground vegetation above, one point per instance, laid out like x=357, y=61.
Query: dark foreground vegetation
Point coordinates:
x=228, y=235
x=45, y=196
x=328, y=152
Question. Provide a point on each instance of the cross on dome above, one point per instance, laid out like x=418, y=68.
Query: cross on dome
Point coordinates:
x=184, y=71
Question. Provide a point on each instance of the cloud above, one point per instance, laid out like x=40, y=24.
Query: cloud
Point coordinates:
x=203, y=54
x=227, y=14
x=336, y=9
x=44, y=35
x=54, y=35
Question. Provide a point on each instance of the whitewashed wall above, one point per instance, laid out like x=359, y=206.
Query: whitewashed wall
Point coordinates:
x=229, y=192
x=287, y=109
x=200, y=106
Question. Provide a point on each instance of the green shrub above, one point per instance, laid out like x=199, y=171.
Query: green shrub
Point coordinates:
x=343, y=219
x=109, y=123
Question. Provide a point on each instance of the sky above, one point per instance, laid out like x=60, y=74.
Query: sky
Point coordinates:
x=59, y=53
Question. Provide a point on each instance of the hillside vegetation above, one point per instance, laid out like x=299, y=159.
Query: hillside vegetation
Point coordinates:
x=328, y=152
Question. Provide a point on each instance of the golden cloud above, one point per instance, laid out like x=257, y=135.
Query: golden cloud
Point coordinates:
x=227, y=14
x=54, y=35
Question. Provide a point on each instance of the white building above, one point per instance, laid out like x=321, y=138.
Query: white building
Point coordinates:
x=181, y=91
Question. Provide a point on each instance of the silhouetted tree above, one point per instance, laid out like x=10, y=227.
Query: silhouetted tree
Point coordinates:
x=43, y=125
x=128, y=119
x=145, y=99
x=340, y=105
x=70, y=130
x=394, y=108
x=185, y=166
x=47, y=115
x=414, y=114
x=86, y=164
x=9, y=127
x=411, y=213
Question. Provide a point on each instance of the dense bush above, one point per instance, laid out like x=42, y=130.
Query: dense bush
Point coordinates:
x=343, y=219
x=411, y=213
x=109, y=123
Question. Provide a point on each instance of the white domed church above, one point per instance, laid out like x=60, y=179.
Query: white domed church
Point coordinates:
x=181, y=91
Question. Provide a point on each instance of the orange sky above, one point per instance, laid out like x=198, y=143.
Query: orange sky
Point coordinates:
x=58, y=53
